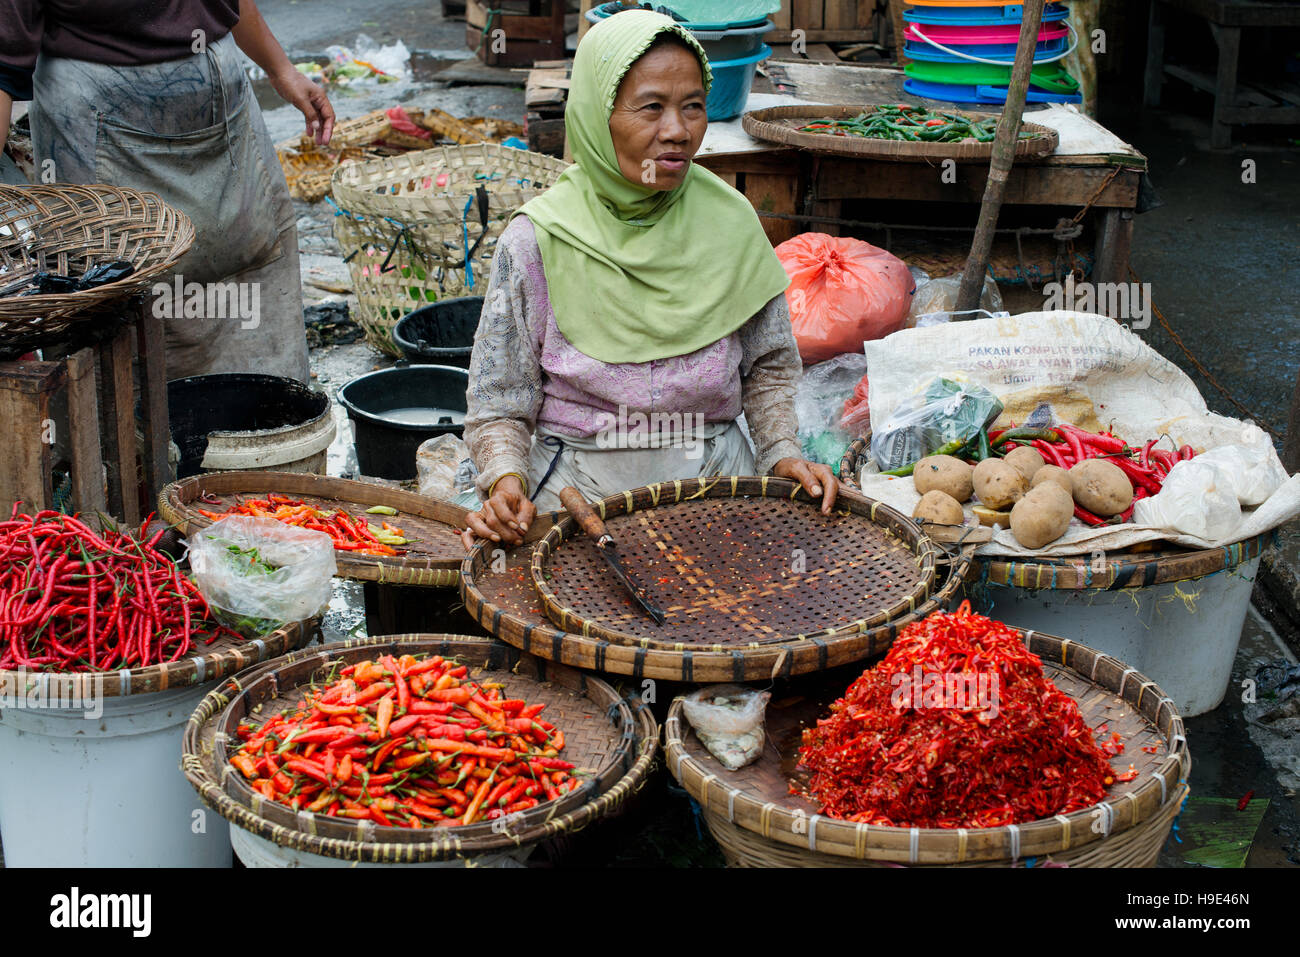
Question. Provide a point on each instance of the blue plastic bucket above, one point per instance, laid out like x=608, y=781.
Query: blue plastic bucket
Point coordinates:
x=731, y=82
x=978, y=16
x=596, y=14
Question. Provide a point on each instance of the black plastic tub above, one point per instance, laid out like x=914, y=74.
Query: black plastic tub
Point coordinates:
x=441, y=334
x=394, y=410
x=251, y=421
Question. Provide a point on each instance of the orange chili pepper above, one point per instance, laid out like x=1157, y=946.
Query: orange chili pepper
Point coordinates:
x=385, y=715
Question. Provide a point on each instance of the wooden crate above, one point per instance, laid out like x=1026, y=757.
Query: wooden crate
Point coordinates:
x=530, y=30
x=824, y=21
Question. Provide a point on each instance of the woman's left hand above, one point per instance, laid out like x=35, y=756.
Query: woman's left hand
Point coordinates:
x=310, y=99
x=816, y=478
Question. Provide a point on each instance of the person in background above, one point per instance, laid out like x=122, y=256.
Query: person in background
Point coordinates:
x=153, y=96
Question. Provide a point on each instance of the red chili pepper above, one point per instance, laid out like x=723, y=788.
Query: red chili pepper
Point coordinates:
x=1245, y=800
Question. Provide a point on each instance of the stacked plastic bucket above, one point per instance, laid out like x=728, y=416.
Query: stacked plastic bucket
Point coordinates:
x=732, y=38
x=962, y=50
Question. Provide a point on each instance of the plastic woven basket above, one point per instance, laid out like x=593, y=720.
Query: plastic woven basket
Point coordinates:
x=66, y=229
x=406, y=224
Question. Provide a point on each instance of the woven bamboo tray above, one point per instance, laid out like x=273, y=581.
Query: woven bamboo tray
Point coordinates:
x=722, y=558
x=613, y=740
x=225, y=656
x=497, y=588
x=64, y=230
x=759, y=823
x=432, y=559
x=780, y=124
x=404, y=236
x=1122, y=569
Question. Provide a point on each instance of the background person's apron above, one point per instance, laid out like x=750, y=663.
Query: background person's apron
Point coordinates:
x=190, y=131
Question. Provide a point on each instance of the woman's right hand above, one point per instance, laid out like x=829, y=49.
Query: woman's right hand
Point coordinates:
x=504, y=517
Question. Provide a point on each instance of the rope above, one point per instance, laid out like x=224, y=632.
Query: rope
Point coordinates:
x=1209, y=377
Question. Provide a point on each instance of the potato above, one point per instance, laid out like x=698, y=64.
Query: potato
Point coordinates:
x=991, y=516
x=1052, y=473
x=1101, y=487
x=999, y=485
x=940, y=508
x=1027, y=461
x=1042, y=516
x=945, y=474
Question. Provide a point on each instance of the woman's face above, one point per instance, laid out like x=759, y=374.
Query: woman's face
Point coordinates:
x=659, y=117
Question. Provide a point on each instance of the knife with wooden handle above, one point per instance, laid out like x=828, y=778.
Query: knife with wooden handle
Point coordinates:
x=591, y=524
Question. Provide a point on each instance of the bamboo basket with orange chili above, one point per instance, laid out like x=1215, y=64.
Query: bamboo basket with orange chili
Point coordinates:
x=415, y=749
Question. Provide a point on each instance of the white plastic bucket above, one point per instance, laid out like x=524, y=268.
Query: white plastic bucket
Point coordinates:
x=257, y=851
x=1182, y=635
x=106, y=791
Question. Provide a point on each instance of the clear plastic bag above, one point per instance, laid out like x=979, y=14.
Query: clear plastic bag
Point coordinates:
x=936, y=299
x=945, y=411
x=258, y=573
x=728, y=719
x=820, y=402
x=438, y=466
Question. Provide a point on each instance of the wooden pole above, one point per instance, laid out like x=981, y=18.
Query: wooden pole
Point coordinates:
x=1004, y=154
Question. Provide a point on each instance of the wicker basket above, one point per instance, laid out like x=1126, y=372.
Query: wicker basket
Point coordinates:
x=759, y=823
x=1140, y=567
x=66, y=229
x=497, y=588
x=780, y=124
x=225, y=656
x=405, y=236
x=606, y=735
x=432, y=559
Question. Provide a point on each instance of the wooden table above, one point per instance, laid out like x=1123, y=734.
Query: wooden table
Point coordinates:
x=1233, y=102
x=794, y=190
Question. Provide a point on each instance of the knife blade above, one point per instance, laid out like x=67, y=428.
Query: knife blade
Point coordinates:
x=595, y=529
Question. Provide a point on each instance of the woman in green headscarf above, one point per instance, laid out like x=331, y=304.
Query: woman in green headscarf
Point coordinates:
x=636, y=308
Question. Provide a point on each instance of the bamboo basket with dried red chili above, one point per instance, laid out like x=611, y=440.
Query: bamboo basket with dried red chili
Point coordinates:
x=610, y=741
x=760, y=823
x=497, y=589
x=430, y=556
x=739, y=564
x=78, y=601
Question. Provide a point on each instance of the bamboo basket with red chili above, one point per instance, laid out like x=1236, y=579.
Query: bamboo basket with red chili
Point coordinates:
x=380, y=534
x=415, y=749
x=763, y=817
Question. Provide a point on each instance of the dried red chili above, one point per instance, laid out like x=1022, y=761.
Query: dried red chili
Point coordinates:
x=908, y=763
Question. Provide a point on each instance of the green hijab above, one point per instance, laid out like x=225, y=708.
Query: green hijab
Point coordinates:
x=637, y=274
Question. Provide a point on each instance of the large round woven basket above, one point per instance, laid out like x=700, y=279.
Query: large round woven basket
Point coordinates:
x=225, y=656
x=498, y=591
x=780, y=124
x=407, y=223
x=432, y=558
x=759, y=823
x=613, y=738
x=63, y=230
x=1136, y=568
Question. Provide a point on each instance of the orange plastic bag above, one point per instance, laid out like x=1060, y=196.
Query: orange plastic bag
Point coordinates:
x=842, y=291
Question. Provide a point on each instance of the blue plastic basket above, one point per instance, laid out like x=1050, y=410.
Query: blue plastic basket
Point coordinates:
x=916, y=50
x=978, y=16
x=731, y=82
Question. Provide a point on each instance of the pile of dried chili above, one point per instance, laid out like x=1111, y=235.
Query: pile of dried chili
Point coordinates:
x=407, y=742
x=73, y=598
x=920, y=759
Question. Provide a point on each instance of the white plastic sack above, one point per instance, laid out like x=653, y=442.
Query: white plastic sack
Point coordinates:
x=1198, y=498
x=230, y=561
x=1088, y=370
x=728, y=719
x=1255, y=473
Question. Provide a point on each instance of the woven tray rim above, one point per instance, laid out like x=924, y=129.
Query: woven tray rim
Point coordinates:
x=52, y=306
x=941, y=845
x=168, y=676
x=639, y=728
x=175, y=509
x=1075, y=572
x=734, y=486
x=759, y=124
